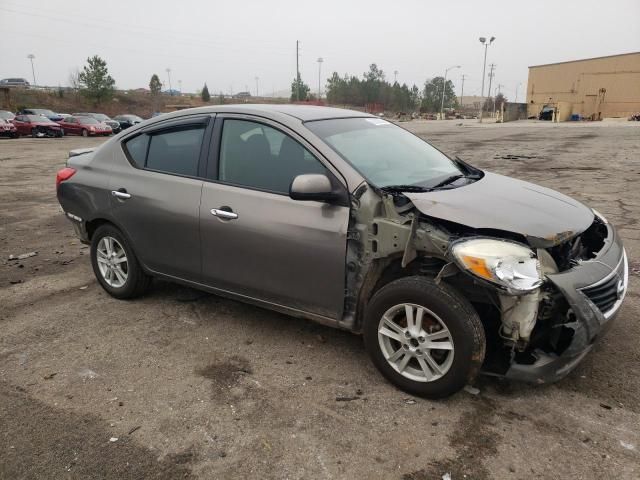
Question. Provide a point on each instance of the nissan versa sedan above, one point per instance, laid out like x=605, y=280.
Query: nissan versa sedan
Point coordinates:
x=349, y=220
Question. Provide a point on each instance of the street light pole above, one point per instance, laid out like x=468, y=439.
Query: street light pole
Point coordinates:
x=257, y=90
x=444, y=88
x=169, y=75
x=31, y=56
x=395, y=76
x=517, y=86
x=486, y=44
x=180, y=86
x=320, y=60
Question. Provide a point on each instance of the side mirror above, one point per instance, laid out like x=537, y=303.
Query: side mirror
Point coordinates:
x=312, y=186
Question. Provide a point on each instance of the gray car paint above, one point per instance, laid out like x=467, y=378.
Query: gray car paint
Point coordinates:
x=496, y=202
x=314, y=291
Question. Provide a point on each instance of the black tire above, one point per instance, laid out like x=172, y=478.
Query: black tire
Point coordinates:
x=454, y=311
x=34, y=133
x=137, y=282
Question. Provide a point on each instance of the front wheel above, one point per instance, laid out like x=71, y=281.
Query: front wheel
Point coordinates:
x=424, y=338
x=115, y=265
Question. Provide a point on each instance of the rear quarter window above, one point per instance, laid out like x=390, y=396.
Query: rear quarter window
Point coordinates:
x=136, y=149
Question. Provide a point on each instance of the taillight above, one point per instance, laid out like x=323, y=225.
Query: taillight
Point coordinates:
x=65, y=174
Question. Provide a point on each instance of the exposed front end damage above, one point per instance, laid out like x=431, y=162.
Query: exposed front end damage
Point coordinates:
x=536, y=336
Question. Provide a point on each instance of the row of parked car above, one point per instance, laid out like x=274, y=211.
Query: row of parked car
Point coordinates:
x=41, y=122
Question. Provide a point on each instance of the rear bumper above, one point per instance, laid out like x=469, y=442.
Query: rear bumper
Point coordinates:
x=587, y=321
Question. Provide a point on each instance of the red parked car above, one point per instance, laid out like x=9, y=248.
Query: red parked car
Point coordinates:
x=8, y=129
x=84, y=126
x=37, y=126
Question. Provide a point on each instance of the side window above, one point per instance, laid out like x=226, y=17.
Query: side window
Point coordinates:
x=176, y=151
x=258, y=156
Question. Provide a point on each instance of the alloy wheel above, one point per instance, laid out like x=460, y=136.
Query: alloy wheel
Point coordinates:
x=416, y=342
x=112, y=262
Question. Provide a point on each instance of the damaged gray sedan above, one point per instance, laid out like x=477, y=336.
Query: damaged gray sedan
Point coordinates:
x=346, y=219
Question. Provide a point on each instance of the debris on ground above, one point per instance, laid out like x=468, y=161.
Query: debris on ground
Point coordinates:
x=472, y=390
x=113, y=439
x=446, y=476
x=346, y=399
x=409, y=401
x=22, y=256
x=84, y=287
x=605, y=406
x=50, y=376
x=137, y=427
x=628, y=446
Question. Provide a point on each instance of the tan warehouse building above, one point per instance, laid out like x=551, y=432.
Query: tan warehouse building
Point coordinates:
x=593, y=88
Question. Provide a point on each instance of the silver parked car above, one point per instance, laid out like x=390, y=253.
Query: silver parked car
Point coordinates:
x=349, y=220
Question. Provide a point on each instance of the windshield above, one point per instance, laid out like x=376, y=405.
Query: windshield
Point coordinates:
x=38, y=119
x=385, y=154
x=6, y=115
x=100, y=116
x=87, y=120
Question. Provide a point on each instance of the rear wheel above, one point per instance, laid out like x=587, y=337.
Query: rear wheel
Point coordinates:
x=115, y=265
x=424, y=338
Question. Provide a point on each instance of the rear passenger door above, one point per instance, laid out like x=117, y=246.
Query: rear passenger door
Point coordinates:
x=268, y=246
x=156, y=194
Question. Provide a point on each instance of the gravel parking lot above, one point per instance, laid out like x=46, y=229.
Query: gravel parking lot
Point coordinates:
x=182, y=384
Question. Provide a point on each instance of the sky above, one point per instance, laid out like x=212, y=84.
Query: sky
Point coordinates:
x=227, y=44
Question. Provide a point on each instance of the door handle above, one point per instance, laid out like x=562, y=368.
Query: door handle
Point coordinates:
x=224, y=213
x=121, y=194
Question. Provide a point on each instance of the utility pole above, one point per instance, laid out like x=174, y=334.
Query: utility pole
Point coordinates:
x=516, y=99
x=491, y=75
x=169, y=75
x=31, y=56
x=486, y=44
x=297, y=70
x=320, y=60
x=395, y=76
x=462, y=89
x=180, y=86
x=498, y=89
x=444, y=89
x=257, y=91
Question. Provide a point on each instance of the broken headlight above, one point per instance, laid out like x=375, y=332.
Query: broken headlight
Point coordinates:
x=509, y=265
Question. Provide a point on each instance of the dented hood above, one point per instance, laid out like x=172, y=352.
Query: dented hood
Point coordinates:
x=544, y=216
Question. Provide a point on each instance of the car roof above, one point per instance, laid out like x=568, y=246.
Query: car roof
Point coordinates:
x=304, y=113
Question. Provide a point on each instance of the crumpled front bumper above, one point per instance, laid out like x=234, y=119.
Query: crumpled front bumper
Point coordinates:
x=610, y=267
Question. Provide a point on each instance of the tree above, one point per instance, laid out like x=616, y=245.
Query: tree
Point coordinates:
x=205, y=94
x=432, y=95
x=500, y=99
x=155, y=85
x=299, y=89
x=95, y=82
x=373, y=88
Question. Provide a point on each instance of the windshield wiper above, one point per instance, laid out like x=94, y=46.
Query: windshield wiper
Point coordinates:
x=405, y=188
x=447, y=181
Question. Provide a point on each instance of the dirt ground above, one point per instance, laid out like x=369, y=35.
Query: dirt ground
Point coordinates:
x=195, y=386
